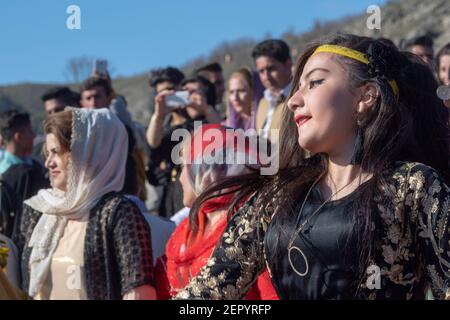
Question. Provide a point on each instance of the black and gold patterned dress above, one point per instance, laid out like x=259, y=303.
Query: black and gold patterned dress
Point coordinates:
x=410, y=250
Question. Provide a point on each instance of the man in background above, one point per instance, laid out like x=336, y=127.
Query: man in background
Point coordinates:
x=21, y=176
x=213, y=72
x=96, y=93
x=57, y=98
x=17, y=135
x=273, y=63
x=421, y=46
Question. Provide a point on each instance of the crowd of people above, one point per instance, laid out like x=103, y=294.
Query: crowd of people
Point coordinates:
x=97, y=207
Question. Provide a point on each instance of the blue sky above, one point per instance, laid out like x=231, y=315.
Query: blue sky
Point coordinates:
x=137, y=35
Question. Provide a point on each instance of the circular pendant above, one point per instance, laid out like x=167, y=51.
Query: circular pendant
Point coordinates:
x=443, y=92
x=301, y=274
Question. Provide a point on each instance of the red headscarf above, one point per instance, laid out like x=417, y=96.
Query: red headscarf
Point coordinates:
x=188, y=253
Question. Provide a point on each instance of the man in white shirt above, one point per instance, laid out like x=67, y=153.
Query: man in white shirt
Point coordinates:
x=273, y=63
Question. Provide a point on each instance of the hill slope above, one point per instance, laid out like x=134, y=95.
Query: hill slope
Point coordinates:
x=400, y=19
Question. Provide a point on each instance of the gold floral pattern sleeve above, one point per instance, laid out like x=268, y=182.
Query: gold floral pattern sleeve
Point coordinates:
x=236, y=262
x=428, y=201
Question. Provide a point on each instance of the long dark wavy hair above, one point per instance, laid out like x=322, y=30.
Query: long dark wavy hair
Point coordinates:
x=412, y=126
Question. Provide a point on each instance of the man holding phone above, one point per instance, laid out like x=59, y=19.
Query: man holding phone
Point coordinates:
x=196, y=100
x=198, y=107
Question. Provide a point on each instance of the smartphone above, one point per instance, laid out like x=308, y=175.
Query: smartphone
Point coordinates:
x=177, y=99
x=100, y=67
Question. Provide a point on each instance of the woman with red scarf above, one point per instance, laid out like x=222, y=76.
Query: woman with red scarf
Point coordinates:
x=195, y=238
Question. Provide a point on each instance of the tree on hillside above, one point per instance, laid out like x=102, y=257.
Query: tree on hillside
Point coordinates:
x=78, y=69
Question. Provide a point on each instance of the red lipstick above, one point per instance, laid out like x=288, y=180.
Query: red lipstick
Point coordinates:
x=301, y=119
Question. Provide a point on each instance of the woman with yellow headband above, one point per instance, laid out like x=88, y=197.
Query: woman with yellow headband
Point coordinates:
x=359, y=208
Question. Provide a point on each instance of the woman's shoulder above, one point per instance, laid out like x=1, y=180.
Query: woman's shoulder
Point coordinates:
x=117, y=211
x=114, y=202
x=416, y=176
x=413, y=169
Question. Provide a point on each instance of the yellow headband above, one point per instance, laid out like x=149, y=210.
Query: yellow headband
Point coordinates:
x=353, y=54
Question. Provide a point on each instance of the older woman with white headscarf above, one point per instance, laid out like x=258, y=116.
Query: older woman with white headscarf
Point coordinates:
x=82, y=239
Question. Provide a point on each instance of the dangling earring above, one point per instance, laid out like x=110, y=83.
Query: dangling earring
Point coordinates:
x=307, y=154
x=358, y=148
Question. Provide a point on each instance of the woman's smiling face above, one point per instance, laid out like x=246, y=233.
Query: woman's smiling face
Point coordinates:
x=324, y=106
x=57, y=162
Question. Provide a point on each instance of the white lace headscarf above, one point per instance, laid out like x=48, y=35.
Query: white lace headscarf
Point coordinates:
x=98, y=156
